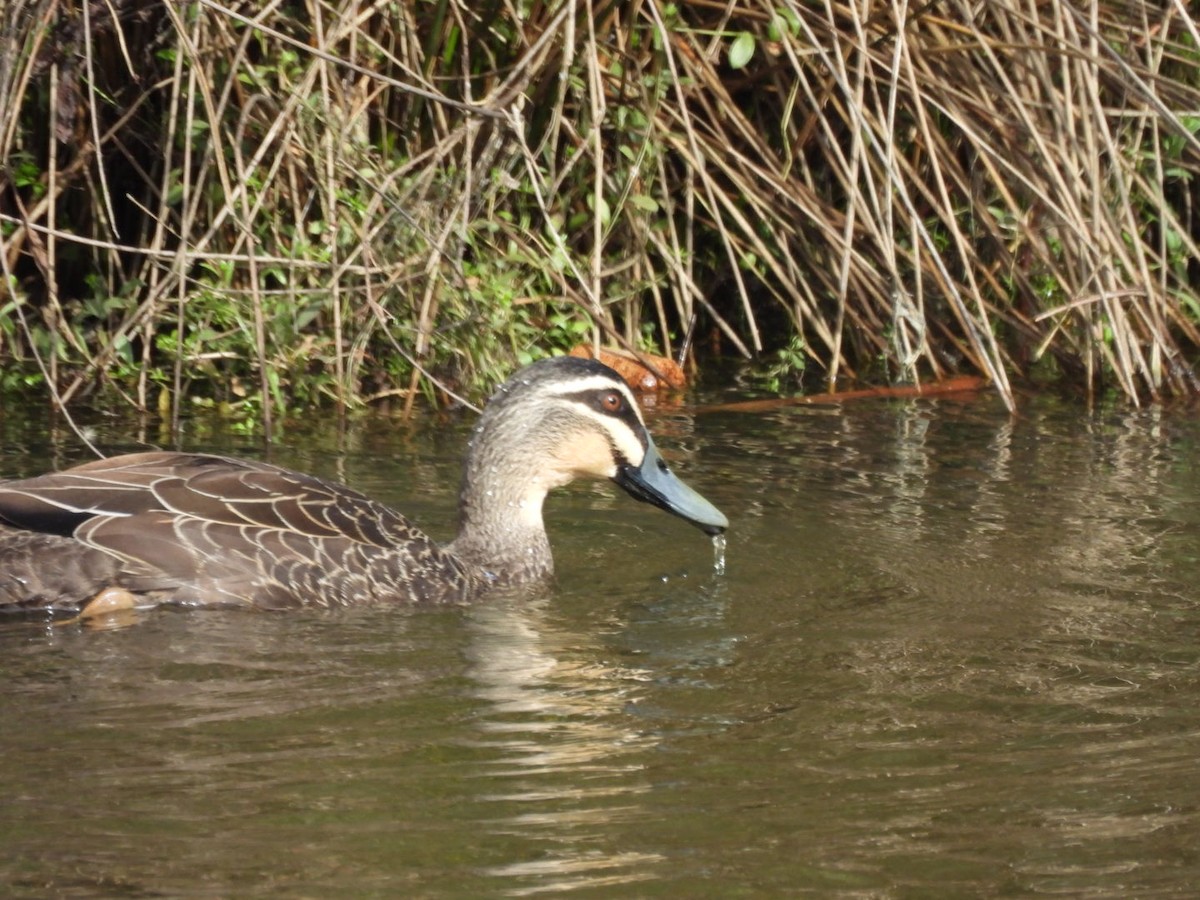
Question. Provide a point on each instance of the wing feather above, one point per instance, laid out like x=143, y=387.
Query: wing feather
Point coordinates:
x=210, y=530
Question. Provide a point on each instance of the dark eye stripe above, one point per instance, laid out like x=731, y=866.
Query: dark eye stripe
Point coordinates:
x=594, y=399
x=627, y=415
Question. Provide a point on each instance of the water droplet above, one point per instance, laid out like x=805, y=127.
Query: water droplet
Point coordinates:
x=719, y=554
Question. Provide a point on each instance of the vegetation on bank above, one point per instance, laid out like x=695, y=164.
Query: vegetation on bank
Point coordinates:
x=272, y=207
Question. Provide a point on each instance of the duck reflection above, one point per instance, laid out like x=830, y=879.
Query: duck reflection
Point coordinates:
x=566, y=767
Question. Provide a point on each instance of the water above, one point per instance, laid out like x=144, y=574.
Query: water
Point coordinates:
x=719, y=543
x=952, y=654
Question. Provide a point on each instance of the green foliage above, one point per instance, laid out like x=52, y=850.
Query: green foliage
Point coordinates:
x=438, y=195
x=741, y=50
x=27, y=174
x=782, y=371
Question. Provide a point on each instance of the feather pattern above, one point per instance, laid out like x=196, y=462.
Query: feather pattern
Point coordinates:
x=210, y=530
x=204, y=530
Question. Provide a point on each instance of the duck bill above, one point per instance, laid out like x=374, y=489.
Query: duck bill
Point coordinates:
x=653, y=482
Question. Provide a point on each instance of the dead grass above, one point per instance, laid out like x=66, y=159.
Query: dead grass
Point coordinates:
x=345, y=200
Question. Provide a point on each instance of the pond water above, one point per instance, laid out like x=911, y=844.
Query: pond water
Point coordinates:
x=952, y=653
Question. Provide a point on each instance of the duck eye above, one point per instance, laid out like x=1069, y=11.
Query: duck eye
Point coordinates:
x=611, y=402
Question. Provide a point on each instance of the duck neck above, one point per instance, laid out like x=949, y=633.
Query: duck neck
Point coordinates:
x=500, y=524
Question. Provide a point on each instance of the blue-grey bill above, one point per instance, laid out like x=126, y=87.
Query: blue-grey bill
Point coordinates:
x=653, y=482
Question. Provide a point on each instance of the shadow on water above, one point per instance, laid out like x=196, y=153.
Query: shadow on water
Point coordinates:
x=953, y=653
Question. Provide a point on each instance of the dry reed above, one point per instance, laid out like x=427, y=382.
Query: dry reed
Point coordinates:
x=349, y=201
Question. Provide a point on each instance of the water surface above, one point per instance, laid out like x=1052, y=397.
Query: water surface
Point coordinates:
x=952, y=654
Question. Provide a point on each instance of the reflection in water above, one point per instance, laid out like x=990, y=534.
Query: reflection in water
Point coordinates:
x=565, y=760
x=997, y=605
x=954, y=653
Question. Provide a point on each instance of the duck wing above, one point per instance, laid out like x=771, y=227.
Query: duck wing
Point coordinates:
x=211, y=530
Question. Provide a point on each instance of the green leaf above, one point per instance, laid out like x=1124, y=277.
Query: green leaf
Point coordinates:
x=792, y=19
x=644, y=202
x=741, y=50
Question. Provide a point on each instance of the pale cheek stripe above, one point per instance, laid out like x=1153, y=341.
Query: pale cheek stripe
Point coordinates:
x=627, y=442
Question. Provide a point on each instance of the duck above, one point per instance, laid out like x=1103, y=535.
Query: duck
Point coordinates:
x=201, y=530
